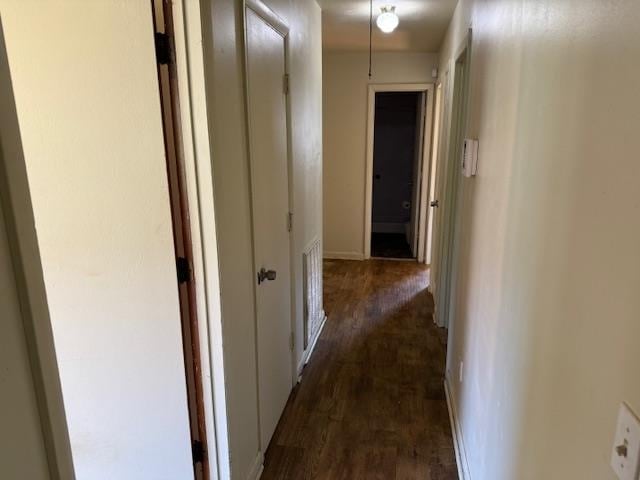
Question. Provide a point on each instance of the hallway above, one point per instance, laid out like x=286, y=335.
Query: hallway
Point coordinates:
x=371, y=402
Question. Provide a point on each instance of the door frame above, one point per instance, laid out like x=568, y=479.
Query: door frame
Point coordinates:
x=276, y=22
x=451, y=184
x=438, y=119
x=193, y=149
x=170, y=107
x=426, y=89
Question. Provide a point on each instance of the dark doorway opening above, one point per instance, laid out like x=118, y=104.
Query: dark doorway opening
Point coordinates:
x=396, y=169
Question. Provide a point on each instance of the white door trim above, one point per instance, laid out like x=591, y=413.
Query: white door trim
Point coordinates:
x=188, y=32
x=452, y=185
x=269, y=16
x=428, y=89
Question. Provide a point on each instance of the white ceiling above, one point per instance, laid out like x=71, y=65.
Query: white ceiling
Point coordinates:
x=423, y=23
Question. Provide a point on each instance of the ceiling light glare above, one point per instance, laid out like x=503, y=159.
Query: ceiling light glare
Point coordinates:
x=388, y=20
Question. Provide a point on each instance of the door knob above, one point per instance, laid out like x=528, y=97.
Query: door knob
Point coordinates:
x=265, y=274
x=435, y=203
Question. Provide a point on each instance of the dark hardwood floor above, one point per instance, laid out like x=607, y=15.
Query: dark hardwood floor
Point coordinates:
x=371, y=403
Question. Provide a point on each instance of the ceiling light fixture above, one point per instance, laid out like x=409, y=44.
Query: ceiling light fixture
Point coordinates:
x=388, y=20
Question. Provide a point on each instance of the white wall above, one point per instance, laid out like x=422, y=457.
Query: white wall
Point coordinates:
x=224, y=68
x=87, y=98
x=345, y=81
x=547, y=311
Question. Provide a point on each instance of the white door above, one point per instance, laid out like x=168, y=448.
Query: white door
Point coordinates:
x=268, y=153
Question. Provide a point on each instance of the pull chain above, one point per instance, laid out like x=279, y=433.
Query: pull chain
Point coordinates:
x=370, y=33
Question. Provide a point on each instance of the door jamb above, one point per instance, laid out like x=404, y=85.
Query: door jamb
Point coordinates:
x=453, y=181
x=179, y=204
x=427, y=89
x=435, y=162
x=194, y=150
x=16, y=206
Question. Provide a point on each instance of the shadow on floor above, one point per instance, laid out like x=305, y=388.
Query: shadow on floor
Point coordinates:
x=390, y=245
x=371, y=402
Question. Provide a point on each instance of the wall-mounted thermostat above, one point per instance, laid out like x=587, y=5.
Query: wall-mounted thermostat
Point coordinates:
x=469, y=157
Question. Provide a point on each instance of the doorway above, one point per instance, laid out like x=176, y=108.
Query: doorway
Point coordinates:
x=397, y=186
x=267, y=91
x=449, y=190
x=396, y=150
x=183, y=247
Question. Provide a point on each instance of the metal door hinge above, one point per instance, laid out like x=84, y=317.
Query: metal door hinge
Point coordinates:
x=291, y=342
x=163, y=48
x=289, y=221
x=197, y=451
x=285, y=84
x=183, y=269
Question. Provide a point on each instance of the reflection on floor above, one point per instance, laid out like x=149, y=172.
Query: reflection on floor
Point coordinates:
x=390, y=245
x=371, y=402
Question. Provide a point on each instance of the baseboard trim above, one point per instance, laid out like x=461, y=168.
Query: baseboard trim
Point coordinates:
x=307, y=353
x=343, y=256
x=458, y=439
x=258, y=467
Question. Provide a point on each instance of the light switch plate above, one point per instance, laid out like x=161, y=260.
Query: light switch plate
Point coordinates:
x=625, y=454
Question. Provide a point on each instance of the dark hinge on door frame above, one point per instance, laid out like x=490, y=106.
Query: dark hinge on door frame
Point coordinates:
x=197, y=451
x=285, y=84
x=163, y=48
x=183, y=269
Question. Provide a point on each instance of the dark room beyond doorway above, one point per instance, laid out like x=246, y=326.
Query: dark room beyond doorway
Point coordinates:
x=395, y=174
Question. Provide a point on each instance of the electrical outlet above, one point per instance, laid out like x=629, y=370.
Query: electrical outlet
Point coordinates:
x=460, y=372
x=625, y=455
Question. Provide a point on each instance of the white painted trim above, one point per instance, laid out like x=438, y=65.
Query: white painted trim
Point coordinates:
x=458, y=438
x=258, y=467
x=427, y=141
x=427, y=88
x=202, y=222
x=306, y=355
x=343, y=256
x=268, y=15
x=450, y=188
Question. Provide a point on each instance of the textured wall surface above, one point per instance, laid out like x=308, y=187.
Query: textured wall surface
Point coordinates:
x=345, y=90
x=90, y=121
x=224, y=64
x=546, y=309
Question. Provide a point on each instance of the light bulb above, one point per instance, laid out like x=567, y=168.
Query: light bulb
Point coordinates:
x=388, y=20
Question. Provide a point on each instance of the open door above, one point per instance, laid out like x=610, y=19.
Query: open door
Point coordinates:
x=416, y=184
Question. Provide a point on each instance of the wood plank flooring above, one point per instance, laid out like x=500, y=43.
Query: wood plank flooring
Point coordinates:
x=371, y=403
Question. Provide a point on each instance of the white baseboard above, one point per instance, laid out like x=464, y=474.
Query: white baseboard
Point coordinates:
x=258, y=467
x=458, y=439
x=344, y=256
x=306, y=355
